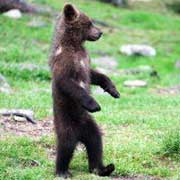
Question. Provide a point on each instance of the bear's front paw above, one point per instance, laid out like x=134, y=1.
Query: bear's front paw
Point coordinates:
x=91, y=105
x=113, y=92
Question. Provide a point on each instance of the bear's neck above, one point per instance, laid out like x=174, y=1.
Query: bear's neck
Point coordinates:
x=72, y=44
x=71, y=40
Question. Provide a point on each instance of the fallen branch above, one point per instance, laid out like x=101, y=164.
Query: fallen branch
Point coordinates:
x=27, y=114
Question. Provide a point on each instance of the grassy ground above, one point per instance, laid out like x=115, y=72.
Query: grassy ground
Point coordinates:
x=135, y=126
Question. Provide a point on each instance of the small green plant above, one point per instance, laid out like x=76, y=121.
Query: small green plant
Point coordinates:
x=171, y=143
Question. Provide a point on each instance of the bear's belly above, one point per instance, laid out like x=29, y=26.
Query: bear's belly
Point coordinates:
x=82, y=77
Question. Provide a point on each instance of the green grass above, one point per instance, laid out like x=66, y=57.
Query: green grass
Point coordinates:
x=136, y=126
x=171, y=143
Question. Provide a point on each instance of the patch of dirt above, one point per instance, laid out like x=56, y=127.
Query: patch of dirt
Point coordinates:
x=169, y=90
x=42, y=128
x=136, y=177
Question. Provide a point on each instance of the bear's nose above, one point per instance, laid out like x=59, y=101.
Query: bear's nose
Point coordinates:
x=100, y=34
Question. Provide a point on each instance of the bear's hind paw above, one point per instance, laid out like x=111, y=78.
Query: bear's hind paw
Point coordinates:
x=64, y=175
x=106, y=171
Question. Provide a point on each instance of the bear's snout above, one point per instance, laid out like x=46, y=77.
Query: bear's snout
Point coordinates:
x=100, y=34
x=94, y=34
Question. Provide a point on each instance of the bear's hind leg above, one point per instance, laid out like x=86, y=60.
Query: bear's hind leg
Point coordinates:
x=93, y=143
x=65, y=149
x=91, y=137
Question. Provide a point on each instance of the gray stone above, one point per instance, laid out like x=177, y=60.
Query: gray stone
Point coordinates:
x=13, y=13
x=137, y=49
x=4, y=86
x=98, y=91
x=19, y=119
x=102, y=70
x=138, y=69
x=117, y=2
x=177, y=65
x=32, y=67
x=36, y=24
x=175, y=90
x=105, y=62
x=106, y=65
x=109, y=72
x=144, y=68
x=132, y=1
x=135, y=83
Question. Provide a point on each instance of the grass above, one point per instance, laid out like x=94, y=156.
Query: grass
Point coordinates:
x=171, y=143
x=135, y=127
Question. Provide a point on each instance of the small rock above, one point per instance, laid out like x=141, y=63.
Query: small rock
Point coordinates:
x=138, y=69
x=4, y=86
x=13, y=13
x=137, y=49
x=36, y=24
x=119, y=2
x=102, y=70
x=39, y=90
x=177, y=65
x=32, y=67
x=98, y=91
x=19, y=119
x=106, y=65
x=106, y=62
x=108, y=71
x=145, y=68
x=135, y=83
x=116, y=2
x=140, y=1
x=170, y=90
x=100, y=53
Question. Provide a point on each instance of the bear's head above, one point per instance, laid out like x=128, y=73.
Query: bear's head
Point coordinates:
x=78, y=25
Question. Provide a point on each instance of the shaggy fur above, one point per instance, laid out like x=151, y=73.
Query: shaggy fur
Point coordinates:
x=71, y=79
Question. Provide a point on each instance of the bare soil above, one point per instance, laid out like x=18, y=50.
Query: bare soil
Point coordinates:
x=24, y=128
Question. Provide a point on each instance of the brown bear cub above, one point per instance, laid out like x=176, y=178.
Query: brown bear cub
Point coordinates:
x=71, y=79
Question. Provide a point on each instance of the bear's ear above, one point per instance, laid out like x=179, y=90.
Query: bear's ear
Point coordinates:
x=70, y=12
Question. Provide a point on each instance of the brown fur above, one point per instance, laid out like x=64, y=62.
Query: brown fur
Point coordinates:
x=71, y=79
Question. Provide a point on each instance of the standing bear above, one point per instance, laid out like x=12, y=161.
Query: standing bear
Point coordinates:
x=71, y=79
